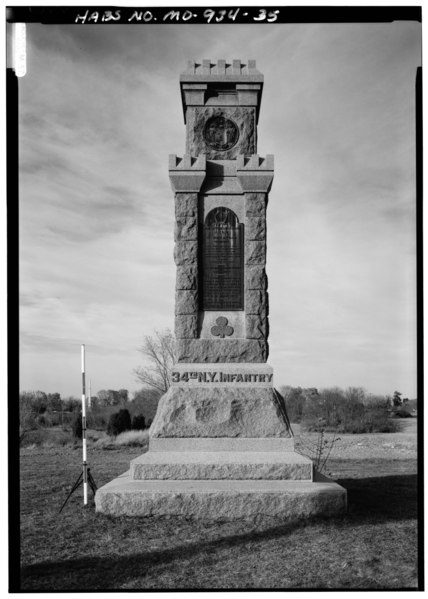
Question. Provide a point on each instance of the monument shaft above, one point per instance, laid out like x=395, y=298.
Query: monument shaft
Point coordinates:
x=221, y=190
x=221, y=187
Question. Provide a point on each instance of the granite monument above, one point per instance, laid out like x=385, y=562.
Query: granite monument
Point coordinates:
x=221, y=446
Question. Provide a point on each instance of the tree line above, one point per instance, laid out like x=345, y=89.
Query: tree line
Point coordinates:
x=352, y=410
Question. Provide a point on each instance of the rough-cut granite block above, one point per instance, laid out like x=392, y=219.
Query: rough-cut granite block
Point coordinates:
x=186, y=204
x=256, y=302
x=219, y=500
x=186, y=228
x=222, y=350
x=186, y=301
x=187, y=277
x=255, y=227
x=255, y=252
x=255, y=277
x=186, y=326
x=229, y=444
x=186, y=253
x=255, y=204
x=217, y=465
x=256, y=327
x=220, y=412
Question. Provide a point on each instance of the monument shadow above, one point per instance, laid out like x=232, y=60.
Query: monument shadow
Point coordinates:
x=371, y=500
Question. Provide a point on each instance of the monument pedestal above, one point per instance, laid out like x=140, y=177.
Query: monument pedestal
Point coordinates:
x=239, y=463
x=221, y=485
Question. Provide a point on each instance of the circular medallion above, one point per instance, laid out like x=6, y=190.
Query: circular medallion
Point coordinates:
x=221, y=133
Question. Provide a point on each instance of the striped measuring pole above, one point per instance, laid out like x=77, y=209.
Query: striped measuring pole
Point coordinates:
x=85, y=465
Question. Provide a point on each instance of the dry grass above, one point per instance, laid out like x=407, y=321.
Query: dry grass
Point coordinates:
x=127, y=439
x=51, y=437
x=373, y=547
x=48, y=437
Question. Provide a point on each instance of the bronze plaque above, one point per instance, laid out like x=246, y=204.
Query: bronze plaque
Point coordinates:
x=220, y=133
x=222, y=261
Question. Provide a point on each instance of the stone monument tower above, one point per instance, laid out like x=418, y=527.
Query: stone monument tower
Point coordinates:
x=221, y=445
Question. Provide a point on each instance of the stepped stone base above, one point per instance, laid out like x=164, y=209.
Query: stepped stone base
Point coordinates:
x=221, y=450
x=220, y=499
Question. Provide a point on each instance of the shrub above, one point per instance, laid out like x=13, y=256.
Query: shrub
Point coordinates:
x=44, y=419
x=346, y=412
x=118, y=423
x=138, y=422
x=34, y=438
x=56, y=419
x=71, y=404
x=324, y=411
x=41, y=420
x=98, y=417
x=401, y=412
x=319, y=450
x=145, y=402
x=93, y=435
x=46, y=437
x=377, y=419
x=133, y=439
x=76, y=426
x=294, y=402
x=128, y=439
x=295, y=399
x=27, y=412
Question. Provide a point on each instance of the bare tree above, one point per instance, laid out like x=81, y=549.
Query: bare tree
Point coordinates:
x=159, y=351
x=111, y=397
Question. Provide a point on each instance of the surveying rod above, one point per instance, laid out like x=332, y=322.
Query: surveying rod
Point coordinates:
x=85, y=466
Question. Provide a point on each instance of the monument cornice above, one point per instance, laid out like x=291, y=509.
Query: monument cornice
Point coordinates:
x=206, y=82
x=254, y=173
x=221, y=70
x=187, y=174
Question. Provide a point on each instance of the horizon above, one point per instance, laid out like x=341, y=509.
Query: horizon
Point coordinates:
x=133, y=398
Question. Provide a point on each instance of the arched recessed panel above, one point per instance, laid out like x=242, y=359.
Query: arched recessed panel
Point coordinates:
x=222, y=261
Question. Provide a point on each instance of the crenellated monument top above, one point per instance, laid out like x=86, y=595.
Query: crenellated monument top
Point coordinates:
x=221, y=70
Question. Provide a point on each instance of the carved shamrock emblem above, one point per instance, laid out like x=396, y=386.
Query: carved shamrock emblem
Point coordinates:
x=221, y=329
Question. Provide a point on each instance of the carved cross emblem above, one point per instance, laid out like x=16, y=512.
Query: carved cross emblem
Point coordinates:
x=221, y=133
x=221, y=329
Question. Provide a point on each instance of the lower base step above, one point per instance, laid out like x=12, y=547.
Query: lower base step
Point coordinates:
x=220, y=499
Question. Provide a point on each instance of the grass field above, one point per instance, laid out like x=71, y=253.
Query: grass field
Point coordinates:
x=373, y=547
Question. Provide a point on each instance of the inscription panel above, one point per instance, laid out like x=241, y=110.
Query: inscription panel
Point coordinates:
x=222, y=261
x=218, y=376
x=222, y=375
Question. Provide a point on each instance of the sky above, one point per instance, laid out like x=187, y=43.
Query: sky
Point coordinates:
x=100, y=111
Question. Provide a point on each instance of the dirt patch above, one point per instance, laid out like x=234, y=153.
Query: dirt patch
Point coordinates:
x=393, y=446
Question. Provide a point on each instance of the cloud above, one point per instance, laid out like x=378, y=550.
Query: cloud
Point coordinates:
x=100, y=111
